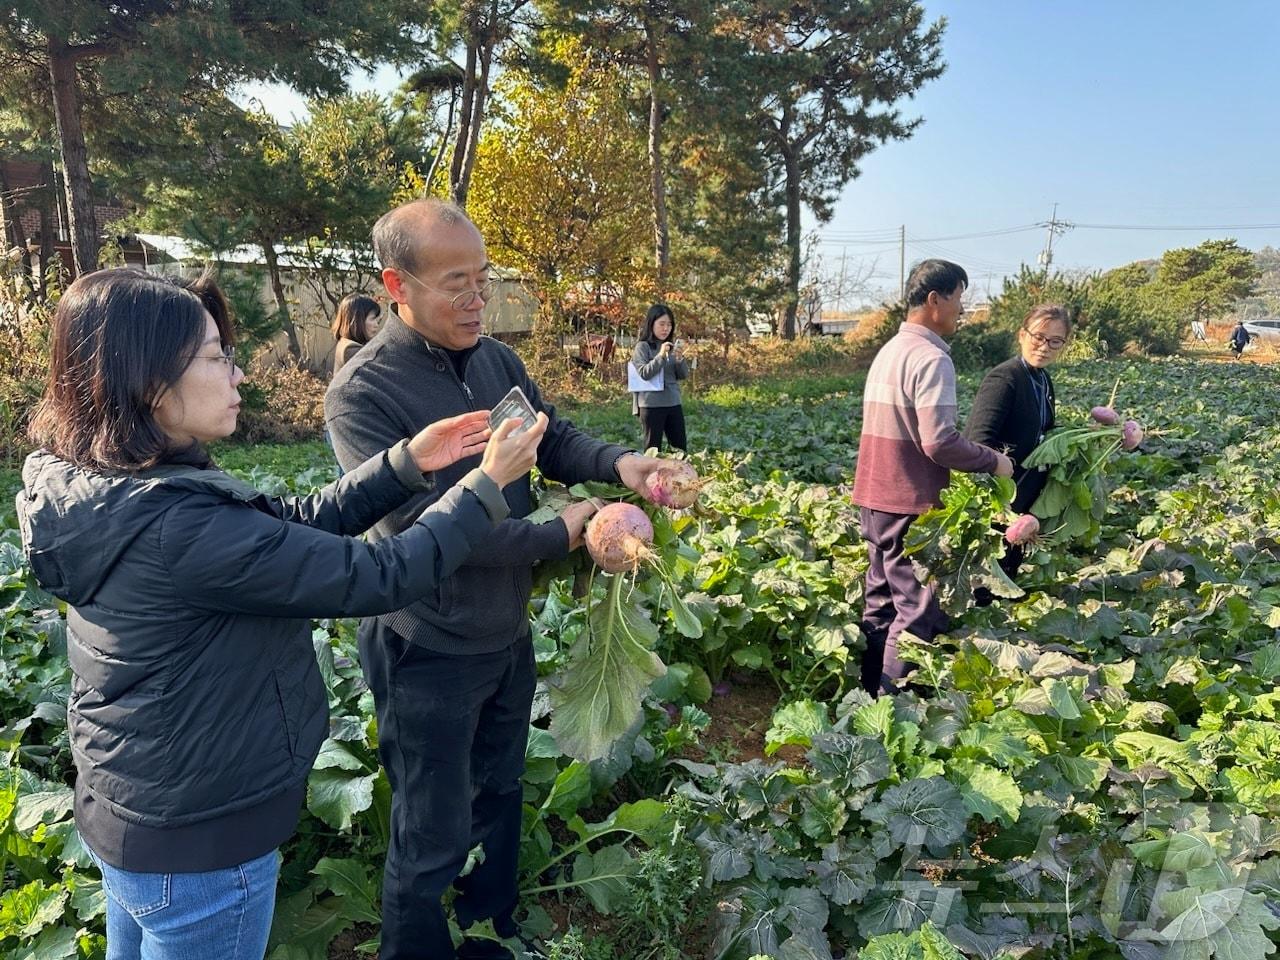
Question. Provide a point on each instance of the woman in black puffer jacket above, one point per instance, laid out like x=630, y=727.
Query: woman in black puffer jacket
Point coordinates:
x=1016, y=405
x=197, y=708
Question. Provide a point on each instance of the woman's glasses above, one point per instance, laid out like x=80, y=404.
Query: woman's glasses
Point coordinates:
x=1053, y=343
x=227, y=356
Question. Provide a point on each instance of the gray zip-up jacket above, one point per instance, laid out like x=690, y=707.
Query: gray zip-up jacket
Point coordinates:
x=399, y=378
x=197, y=708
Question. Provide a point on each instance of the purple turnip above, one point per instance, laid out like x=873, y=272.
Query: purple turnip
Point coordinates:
x=1023, y=530
x=674, y=484
x=1131, y=434
x=1105, y=416
x=619, y=536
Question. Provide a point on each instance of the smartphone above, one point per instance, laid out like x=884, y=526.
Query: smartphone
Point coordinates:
x=514, y=404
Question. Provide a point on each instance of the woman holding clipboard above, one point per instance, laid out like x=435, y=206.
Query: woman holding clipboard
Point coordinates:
x=657, y=366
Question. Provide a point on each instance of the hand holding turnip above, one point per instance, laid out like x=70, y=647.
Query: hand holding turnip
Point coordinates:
x=508, y=456
x=1004, y=466
x=575, y=517
x=673, y=483
x=634, y=469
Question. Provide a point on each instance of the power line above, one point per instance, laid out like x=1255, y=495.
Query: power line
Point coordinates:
x=1211, y=226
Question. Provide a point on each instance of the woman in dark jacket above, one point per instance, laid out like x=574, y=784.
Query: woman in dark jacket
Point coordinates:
x=1015, y=405
x=356, y=321
x=197, y=708
x=660, y=411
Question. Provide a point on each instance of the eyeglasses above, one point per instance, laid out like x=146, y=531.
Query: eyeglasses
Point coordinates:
x=1053, y=343
x=467, y=298
x=227, y=356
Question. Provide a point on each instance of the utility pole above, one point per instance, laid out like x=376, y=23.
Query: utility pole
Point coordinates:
x=840, y=305
x=902, y=262
x=1056, y=228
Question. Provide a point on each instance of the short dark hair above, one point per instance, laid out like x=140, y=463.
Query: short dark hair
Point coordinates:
x=395, y=234
x=651, y=317
x=934, y=276
x=351, y=320
x=120, y=338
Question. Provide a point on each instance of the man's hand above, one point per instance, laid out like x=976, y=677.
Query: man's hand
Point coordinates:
x=447, y=441
x=634, y=470
x=575, y=517
x=1004, y=466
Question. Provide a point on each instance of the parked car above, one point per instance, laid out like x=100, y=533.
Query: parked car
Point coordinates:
x=1264, y=330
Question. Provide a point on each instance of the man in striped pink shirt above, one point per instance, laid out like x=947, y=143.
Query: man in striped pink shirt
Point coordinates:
x=909, y=446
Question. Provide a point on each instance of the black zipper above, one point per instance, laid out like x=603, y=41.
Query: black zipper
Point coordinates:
x=466, y=391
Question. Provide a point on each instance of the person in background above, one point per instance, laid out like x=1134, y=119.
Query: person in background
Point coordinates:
x=908, y=448
x=1016, y=405
x=197, y=708
x=357, y=320
x=1239, y=339
x=660, y=411
x=453, y=674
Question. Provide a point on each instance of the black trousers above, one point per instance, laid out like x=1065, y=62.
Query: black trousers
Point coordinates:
x=451, y=734
x=655, y=421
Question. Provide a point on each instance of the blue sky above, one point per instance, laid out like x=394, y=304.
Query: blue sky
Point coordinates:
x=1123, y=112
x=1129, y=112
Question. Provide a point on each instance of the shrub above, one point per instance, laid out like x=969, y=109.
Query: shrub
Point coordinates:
x=981, y=345
x=280, y=404
x=24, y=356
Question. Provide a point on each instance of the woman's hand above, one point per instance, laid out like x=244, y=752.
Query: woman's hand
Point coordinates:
x=508, y=458
x=448, y=441
x=665, y=349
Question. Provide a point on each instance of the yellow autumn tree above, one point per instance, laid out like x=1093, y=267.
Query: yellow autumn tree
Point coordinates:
x=560, y=183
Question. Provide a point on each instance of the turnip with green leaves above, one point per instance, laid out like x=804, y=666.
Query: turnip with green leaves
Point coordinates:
x=598, y=697
x=1074, y=498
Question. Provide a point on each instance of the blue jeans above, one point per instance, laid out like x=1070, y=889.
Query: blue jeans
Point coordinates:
x=218, y=915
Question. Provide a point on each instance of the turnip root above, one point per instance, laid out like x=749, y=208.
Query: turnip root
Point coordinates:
x=1131, y=434
x=1105, y=416
x=1023, y=530
x=619, y=536
x=674, y=484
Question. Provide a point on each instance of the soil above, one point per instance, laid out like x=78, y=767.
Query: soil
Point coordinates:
x=739, y=720
x=344, y=946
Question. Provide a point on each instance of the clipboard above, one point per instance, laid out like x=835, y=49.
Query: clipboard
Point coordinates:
x=637, y=383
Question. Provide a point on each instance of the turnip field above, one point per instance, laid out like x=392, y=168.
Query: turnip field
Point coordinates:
x=1090, y=769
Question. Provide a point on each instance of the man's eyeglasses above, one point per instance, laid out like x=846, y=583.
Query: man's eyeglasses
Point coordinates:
x=1053, y=343
x=464, y=300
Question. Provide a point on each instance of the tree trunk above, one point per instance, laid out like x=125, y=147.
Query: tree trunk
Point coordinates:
x=477, y=115
x=658, y=186
x=787, y=322
x=48, y=200
x=75, y=163
x=444, y=141
x=282, y=305
x=10, y=231
x=464, y=121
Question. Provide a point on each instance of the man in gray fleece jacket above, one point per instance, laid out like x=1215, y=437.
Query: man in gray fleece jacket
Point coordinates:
x=453, y=676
